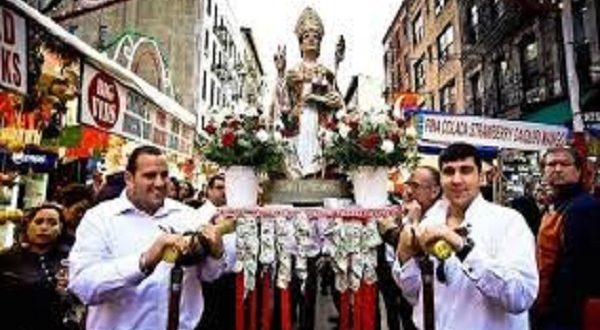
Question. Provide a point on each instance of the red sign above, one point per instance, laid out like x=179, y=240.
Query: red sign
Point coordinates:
x=103, y=100
x=13, y=55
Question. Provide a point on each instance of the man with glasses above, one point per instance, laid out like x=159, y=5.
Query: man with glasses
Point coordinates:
x=491, y=279
x=422, y=191
x=568, y=242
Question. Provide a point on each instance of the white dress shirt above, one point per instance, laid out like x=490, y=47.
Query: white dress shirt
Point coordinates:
x=104, y=267
x=493, y=287
x=207, y=212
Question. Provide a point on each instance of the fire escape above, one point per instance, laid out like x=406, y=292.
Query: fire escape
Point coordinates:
x=488, y=25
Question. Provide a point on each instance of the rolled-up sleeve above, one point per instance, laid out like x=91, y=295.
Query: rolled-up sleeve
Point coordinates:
x=408, y=278
x=510, y=278
x=95, y=276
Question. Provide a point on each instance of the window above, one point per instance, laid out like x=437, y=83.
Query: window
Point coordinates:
x=501, y=81
x=208, y=6
x=218, y=95
x=212, y=93
x=406, y=64
x=204, y=85
x=474, y=15
x=439, y=6
x=206, y=41
x=447, y=98
x=418, y=29
x=216, y=14
x=529, y=68
x=476, y=94
x=445, y=41
x=498, y=9
x=473, y=27
x=214, y=53
x=419, y=73
x=102, y=35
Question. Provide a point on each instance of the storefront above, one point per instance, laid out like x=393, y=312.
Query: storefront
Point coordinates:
x=62, y=102
x=59, y=92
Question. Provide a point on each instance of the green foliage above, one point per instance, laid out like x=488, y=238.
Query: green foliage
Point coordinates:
x=243, y=141
x=375, y=140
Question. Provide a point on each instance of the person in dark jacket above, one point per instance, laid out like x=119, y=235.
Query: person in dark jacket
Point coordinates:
x=76, y=199
x=568, y=245
x=527, y=206
x=32, y=296
x=112, y=188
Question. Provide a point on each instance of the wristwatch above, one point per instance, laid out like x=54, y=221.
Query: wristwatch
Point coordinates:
x=467, y=246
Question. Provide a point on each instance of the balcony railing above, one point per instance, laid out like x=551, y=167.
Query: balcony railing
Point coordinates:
x=495, y=21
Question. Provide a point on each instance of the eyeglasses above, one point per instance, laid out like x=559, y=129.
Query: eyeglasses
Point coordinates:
x=415, y=185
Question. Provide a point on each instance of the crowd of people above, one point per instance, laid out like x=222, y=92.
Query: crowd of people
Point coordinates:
x=66, y=270
x=94, y=258
x=505, y=272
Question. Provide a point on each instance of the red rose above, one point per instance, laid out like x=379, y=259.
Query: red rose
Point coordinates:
x=370, y=141
x=331, y=125
x=228, y=139
x=210, y=129
x=394, y=137
x=353, y=125
x=234, y=124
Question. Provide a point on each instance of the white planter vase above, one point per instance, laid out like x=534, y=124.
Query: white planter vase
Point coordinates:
x=241, y=186
x=370, y=186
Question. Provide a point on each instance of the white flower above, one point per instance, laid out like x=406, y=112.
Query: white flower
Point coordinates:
x=340, y=114
x=344, y=129
x=328, y=136
x=251, y=111
x=277, y=136
x=262, y=135
x=410, y=132
x=278, y=124
x=387, y=146
x=380, y=118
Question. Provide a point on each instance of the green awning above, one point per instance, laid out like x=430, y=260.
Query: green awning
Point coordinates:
x=554, y=114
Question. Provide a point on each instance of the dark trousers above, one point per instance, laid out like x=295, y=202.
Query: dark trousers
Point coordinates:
x=398, y=309
x=219, y=304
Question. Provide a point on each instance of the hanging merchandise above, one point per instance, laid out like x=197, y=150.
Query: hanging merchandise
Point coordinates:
x=520, y=173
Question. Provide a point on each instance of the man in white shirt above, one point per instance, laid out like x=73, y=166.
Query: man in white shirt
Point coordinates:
x=220, y=302
x=116, y=263
x=491, y=280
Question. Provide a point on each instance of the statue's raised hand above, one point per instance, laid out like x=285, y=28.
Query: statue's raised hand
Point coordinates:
x=280, y=61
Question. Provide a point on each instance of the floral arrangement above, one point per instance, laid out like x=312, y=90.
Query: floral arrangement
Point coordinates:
x=376, y=138
x=243, y=140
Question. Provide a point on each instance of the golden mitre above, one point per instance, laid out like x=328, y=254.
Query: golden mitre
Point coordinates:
x=309, y=20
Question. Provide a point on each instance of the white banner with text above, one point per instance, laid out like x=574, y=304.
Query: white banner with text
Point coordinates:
x=492, y=132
